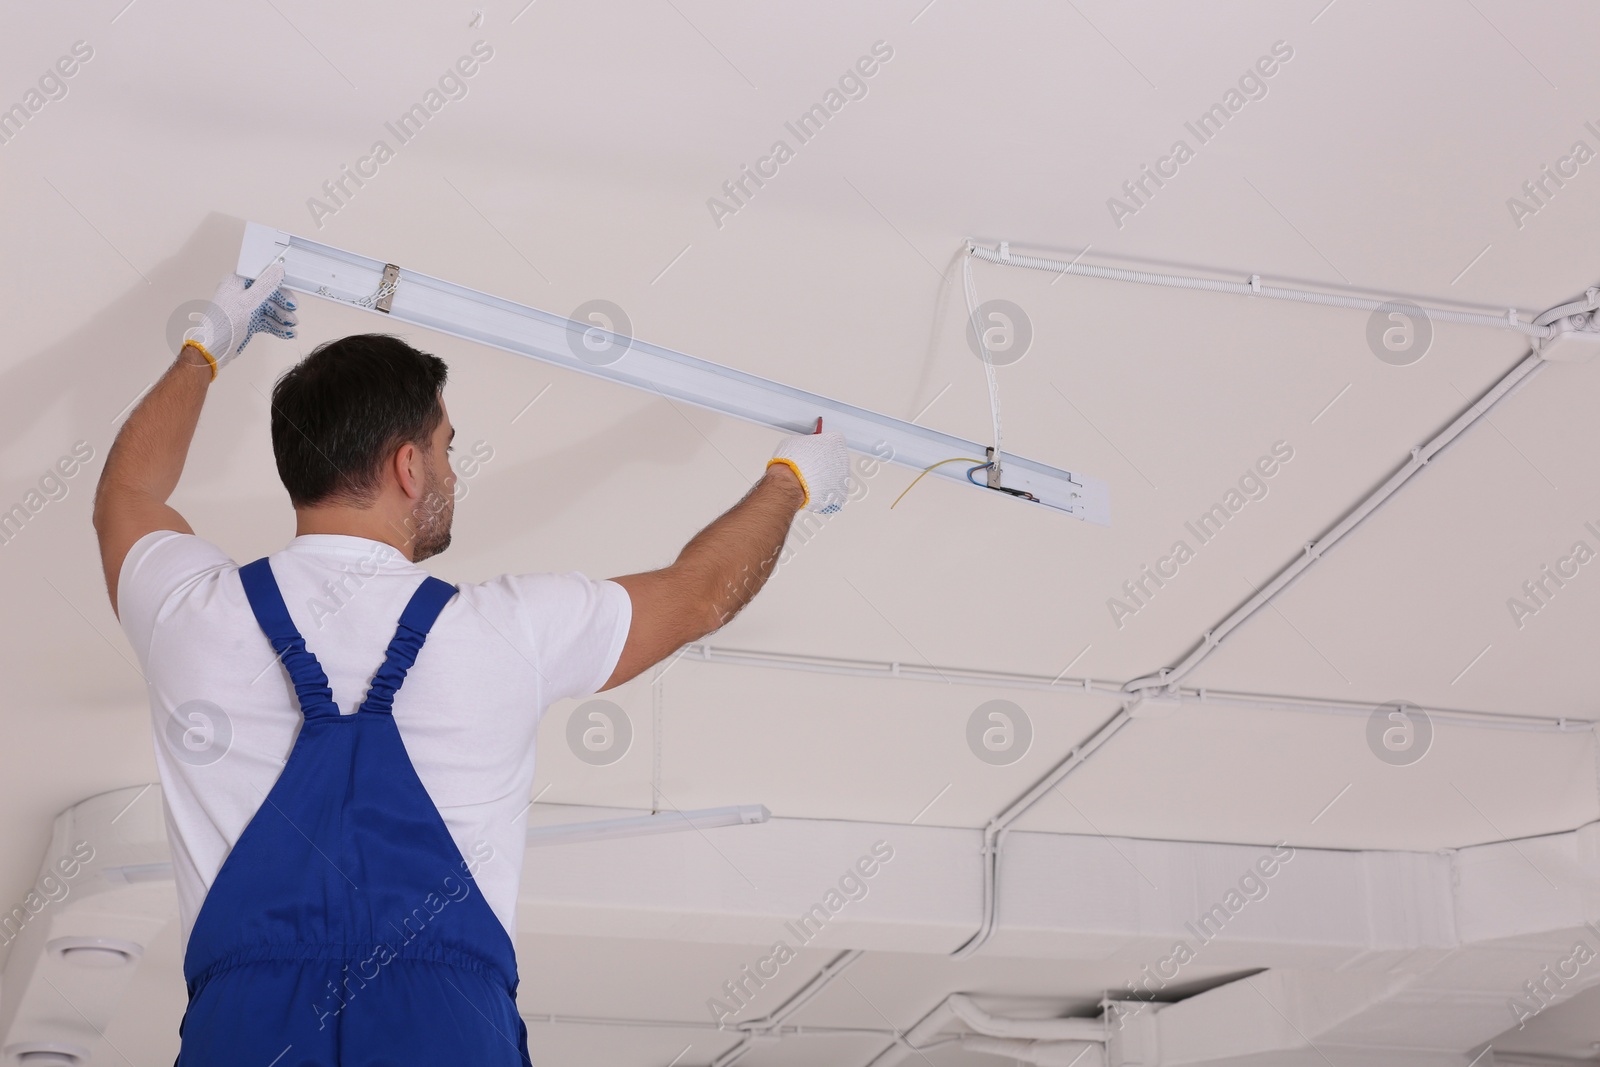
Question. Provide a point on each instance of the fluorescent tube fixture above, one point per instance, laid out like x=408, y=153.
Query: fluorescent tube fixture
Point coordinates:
x=665, y=822
x=139, y=872
x=404, y=295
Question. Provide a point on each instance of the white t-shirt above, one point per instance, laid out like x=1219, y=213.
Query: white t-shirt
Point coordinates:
x=225, y=716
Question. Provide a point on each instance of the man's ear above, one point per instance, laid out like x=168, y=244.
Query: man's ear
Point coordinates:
x=408, y=470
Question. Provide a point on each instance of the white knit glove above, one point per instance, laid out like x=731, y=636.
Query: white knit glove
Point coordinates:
x=822, y=464
x=240, y=309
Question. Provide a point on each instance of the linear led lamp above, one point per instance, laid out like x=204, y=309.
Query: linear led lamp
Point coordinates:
x=419, y=300
x=665, y=822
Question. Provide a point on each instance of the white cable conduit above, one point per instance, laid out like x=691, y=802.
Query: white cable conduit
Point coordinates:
x=1020, y=1050
x=1511, y=320
x=769, y=1025
x=994, y=832
x=1032, y=1040
x=1166, y=678
x=1315, y=550
x=664, y=822
x=960, y=1006
x=1420, y=457
x=705, y=652
x=1039, y=1053
x=1063, y=1051
x=549, y=1019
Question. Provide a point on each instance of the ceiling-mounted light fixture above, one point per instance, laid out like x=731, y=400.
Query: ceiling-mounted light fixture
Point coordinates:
x=127, y=873
x=403, y=294
x=46, y=1054
x=99, y=953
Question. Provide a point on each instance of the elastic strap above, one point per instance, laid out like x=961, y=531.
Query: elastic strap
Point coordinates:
x=310, y=683
x=415, y=622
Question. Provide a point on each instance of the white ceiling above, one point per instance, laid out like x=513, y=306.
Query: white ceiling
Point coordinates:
x=578, y=167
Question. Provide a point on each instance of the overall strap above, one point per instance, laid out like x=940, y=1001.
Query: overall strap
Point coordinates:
x=415, y=622
x=310, y=683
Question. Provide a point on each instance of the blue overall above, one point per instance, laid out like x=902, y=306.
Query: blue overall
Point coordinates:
x=344, y=926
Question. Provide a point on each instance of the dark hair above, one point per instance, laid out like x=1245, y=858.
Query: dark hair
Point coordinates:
x=339, y=414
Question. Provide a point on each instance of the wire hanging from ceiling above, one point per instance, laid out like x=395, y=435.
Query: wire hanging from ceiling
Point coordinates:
x=989, y=373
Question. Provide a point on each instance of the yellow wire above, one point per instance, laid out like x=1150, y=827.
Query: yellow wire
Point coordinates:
x=925, y=470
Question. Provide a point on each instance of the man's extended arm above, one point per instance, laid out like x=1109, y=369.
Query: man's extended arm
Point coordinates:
x=147, y=457
x=146, y=461
x=726, y=564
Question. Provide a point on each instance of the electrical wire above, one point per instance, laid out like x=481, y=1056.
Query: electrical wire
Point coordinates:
x=989, y=374
x=925, y=470
x=963, y=459
x=998, y=488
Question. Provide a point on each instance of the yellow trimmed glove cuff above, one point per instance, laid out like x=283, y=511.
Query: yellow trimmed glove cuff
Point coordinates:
x=822, y=464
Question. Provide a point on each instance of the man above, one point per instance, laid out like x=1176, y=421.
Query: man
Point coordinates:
x=347, y=877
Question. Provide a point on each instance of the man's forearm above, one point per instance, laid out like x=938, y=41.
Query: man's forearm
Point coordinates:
x=735, y=555
x=148, y=455
x=724, y=565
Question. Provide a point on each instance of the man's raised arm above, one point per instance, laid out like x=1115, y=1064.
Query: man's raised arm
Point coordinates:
x=726, y=564
x=145, y=462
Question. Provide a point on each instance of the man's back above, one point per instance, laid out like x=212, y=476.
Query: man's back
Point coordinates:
x=226, y=718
